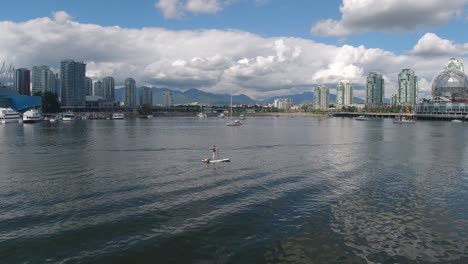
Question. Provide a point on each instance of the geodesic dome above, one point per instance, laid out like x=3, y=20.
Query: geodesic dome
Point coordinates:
x=451, y=84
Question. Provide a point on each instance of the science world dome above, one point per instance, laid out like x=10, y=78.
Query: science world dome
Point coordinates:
x=452, y=83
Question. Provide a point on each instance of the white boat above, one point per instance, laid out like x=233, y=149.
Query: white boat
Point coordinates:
x=403, y=121
x=68, y=116
x=215, y=161
x=201, y=114
x=457, y=121
x=8, y=115
x=118, y=116
x=233, y=122
x=362, y=118
x=32, y=116
x=242, y=117
x=149, y=116
x=221, y=115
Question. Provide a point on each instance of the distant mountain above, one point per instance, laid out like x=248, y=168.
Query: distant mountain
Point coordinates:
x=190, y=96
x=195, y=95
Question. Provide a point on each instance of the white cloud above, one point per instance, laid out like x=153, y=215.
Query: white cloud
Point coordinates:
x=212, y=60
x=360, y=16
x=178, y=8
x=432, y=45
x=61, y=17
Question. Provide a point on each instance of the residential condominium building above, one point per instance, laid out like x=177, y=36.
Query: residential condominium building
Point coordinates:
x=89, y=86
x=283, y=103
x=344, y=93
x=108, y=85
x=322, y=94
x=44, y=80
x=407, y=87
x=23, y=81
x=72, y=80
x=146, y=96
x=130, y=93
x=98, y=89
x=168, y=100
x=375, y=89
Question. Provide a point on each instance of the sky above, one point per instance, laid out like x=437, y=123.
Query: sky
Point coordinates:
x=260, y=48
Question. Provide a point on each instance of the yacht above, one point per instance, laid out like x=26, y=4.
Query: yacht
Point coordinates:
x=118, y=116
x=8, y=115
x=234, y=123
x=32, y=116
x=221, y=115
x=242, y=117
x=201, y=114
x=403, y=120
x=69, y=116
x=457, y=121
x=362, y=118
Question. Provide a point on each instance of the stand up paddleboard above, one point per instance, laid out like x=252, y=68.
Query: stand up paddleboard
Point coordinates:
x=206, y=160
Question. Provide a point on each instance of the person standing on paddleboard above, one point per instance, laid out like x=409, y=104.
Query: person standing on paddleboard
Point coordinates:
x=214, y=152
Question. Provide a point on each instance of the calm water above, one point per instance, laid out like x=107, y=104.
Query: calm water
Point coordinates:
x=298, y=190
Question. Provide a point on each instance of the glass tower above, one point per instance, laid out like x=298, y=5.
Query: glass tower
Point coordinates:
x=375, y=89
x=72, y=80
x=130, y=93
x=407, y=87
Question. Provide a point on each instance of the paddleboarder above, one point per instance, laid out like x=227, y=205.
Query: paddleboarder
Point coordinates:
x=214, y=152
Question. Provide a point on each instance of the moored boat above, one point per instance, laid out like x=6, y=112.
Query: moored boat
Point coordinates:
x=68, y=116
x=118, y=116
x=8, y=115
x=362, y=118
x=32, y=116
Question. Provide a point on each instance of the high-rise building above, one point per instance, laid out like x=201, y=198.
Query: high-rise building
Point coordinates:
x=98, y=89
x=407, y=87
x=72, y=80
x=283, y=103
x=375, y=89
x=455, y=64
x=146, y=96
x=130, y=93
x=23, y=81
x=321, y=97
x=344, y=93
x=108, y=84
x=43, y=80
x=89, y=86
x=168, y=101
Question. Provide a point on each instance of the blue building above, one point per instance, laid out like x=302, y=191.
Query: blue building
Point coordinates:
x=20, y=103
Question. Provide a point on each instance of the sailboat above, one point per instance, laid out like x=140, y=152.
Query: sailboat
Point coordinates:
x=233, y=122
x=201, y=114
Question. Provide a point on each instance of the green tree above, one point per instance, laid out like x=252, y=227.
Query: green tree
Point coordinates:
x=50, y=103
x=146, y=109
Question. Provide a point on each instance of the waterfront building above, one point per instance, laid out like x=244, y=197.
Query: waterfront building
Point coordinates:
x=130, y=93
x=455, y=64
x=407, y=88
x=146, y=96
x=23, y=81
x=98, y=89
x=72, y=83
x=322, y=94
x=44, y=80
x=449, y=94
x=89, y=86
x=108, y=84
x=283, y=103
x=375, y=89
x=344, y=93
x=168, y=100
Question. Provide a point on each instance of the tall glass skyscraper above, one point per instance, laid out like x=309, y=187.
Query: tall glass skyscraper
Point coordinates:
x=344, y=93
x=98, y=89
x=322, y=94
x=146, y=96
x=130, y=93
x=108, y=85
x=407, y=87
x=44, y=80
x=89, y=86
x=375, y=89
x=72, y=80
x=23, y=81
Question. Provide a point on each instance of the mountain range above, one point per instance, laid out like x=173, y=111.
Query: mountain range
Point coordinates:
x=195, y=95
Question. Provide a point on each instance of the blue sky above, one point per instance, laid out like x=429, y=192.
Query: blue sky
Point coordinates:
x=271, y=18
x=260, y=48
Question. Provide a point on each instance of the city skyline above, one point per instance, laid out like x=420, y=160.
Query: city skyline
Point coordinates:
x=182, y=50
